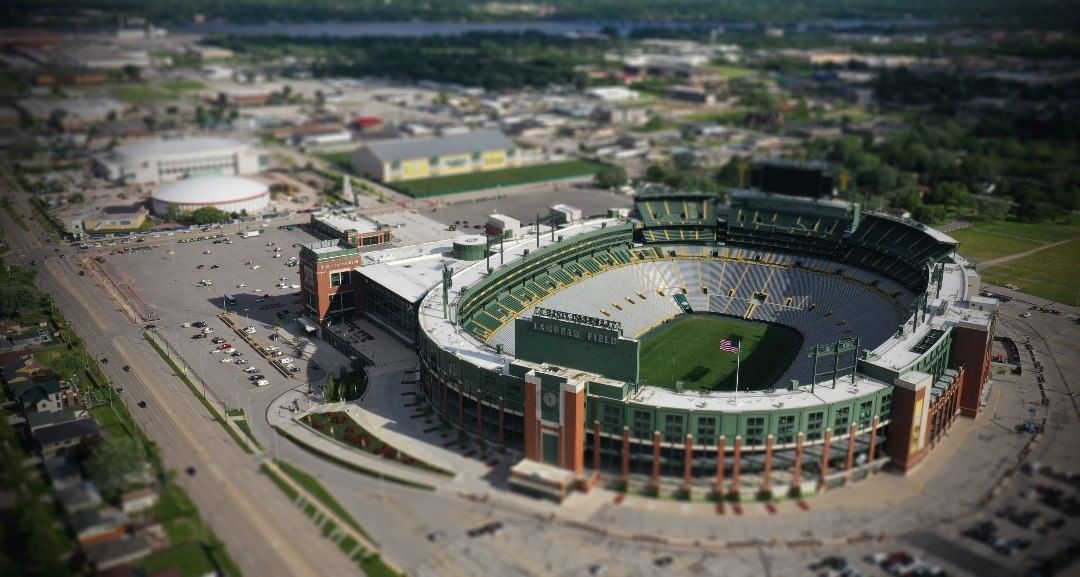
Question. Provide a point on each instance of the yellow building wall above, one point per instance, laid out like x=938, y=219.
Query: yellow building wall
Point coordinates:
x=493, y=159
x=463, y=164
x=418, y=168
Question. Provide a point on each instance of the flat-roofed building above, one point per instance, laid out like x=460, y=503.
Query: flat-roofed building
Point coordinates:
x=354, y=229
x=326, y=281
x=410, y=159
x=169, y=159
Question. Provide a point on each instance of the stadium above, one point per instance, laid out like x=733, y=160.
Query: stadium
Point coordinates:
x=595, y=348
x=226, y=193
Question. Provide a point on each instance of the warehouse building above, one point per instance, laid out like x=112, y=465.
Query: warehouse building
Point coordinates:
x=409, y=159
x=169, y=159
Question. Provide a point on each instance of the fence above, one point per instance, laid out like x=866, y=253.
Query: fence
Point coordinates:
x=189, y=371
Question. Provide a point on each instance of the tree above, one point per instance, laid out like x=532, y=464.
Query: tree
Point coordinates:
x=114, y=462
x=132, y=72
x=175, y=213
x=684, y=160
x=209, y=215
x=76, y=198
x=610, y=177
x=330, y=394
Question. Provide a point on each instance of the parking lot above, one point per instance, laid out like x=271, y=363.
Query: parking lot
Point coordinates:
x=264, y=296
x=526, y=203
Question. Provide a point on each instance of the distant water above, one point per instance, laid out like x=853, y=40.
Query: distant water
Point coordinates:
x=555, y=28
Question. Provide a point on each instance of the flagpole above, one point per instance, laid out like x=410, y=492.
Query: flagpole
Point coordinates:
x=738, y=361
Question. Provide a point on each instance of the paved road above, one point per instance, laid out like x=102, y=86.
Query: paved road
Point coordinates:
x=265, y=534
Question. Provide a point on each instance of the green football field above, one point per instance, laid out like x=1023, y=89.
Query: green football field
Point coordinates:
x=688, y=349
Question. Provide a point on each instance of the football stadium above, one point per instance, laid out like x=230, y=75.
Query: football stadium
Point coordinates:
x=782, y=342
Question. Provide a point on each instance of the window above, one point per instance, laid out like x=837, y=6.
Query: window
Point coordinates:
x=755, y=431
x=866, y=413
x=841, y=419
x=340, y=278
x=706, y=431
x=308, y=274
x=815, y=424
x=785, y=429
x=886, y=406
x=642, y=425
x=611, y=418
x=673, y=428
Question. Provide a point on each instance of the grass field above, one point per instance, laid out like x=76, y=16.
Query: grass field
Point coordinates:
x=688, y=350
x=145, y=93
x=992, y=239
x=731, y=72
x=508, y=177
x=1051, y=274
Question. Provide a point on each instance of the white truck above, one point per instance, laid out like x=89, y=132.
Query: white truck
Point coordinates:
x=250, y=233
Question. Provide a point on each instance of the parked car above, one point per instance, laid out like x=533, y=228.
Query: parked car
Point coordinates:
x=198, y=336
x=251, y=370
x=126, y=368
x=242, y=362
x=217, y=340
x=224, y=347
x=104, y=361
x=262, y=383
x=142, y=404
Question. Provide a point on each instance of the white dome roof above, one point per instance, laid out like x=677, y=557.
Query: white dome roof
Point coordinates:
x=210, y=190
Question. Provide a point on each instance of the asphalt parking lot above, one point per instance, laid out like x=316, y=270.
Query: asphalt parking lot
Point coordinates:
x=525, y=205
x=168, y=279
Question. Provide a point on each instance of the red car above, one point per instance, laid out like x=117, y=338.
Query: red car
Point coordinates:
x=224, y=347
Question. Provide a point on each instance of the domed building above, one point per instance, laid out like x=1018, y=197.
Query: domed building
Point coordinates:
x=226, y=193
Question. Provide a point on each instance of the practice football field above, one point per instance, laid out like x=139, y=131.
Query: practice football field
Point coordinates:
x=688, y=349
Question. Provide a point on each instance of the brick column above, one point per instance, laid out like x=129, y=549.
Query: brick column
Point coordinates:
x=736, y=463
x=479, y=416
x=873, y=445
x=720, y=465
x=850, y=450
x=766, y=478
x=626, y=454
x=688, y=461
x=796, y=475
x=825, y=458
x=656, y=459
x=502, y=430
x=596, y=446
x=461, y=405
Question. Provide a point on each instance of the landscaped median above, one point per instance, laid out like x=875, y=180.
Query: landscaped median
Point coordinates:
x=425, y=187
x=337, y=524
x=311, y=440
x=191, y=386
x=343, y=428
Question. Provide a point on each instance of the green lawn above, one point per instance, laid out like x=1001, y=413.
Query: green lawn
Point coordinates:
x=341, y=160
x=1051, y=274
x=721, y=116
x=688, y=350
x=728, y=72
x=247, y=431
x=991, y=239
x=192, y=561
x=182, y=85
x=144, y=93
x=496, y=178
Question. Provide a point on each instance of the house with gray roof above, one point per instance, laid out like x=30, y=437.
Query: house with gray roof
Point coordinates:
x=415, y=158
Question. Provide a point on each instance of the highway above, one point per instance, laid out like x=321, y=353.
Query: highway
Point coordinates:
x=264, y=533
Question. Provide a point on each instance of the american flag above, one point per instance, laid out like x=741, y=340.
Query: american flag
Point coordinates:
x=730, y=345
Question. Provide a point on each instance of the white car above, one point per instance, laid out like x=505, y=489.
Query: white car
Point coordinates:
x=286, y=360
x=281, y=285
x=206, y=252
x=242, y=362
x=258, y=290
x=249, y=330
x=251, y=370
x=294, y=286
x=208, y=330
x=284, y=278
x=226, y=360
x=255, y=267
x=241, y=285
x=262, y=383
x=278, y=255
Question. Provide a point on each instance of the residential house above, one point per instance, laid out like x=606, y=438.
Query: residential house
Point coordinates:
x=98, y=525
x=57, y=438
x=116, y=552
x=27, y=339
x=138, y=500
x=79, y=497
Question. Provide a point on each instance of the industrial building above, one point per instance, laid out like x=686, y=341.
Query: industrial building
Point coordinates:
x=409, y=159
x=354, y=229
x=232, y=194
x=169, y=159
